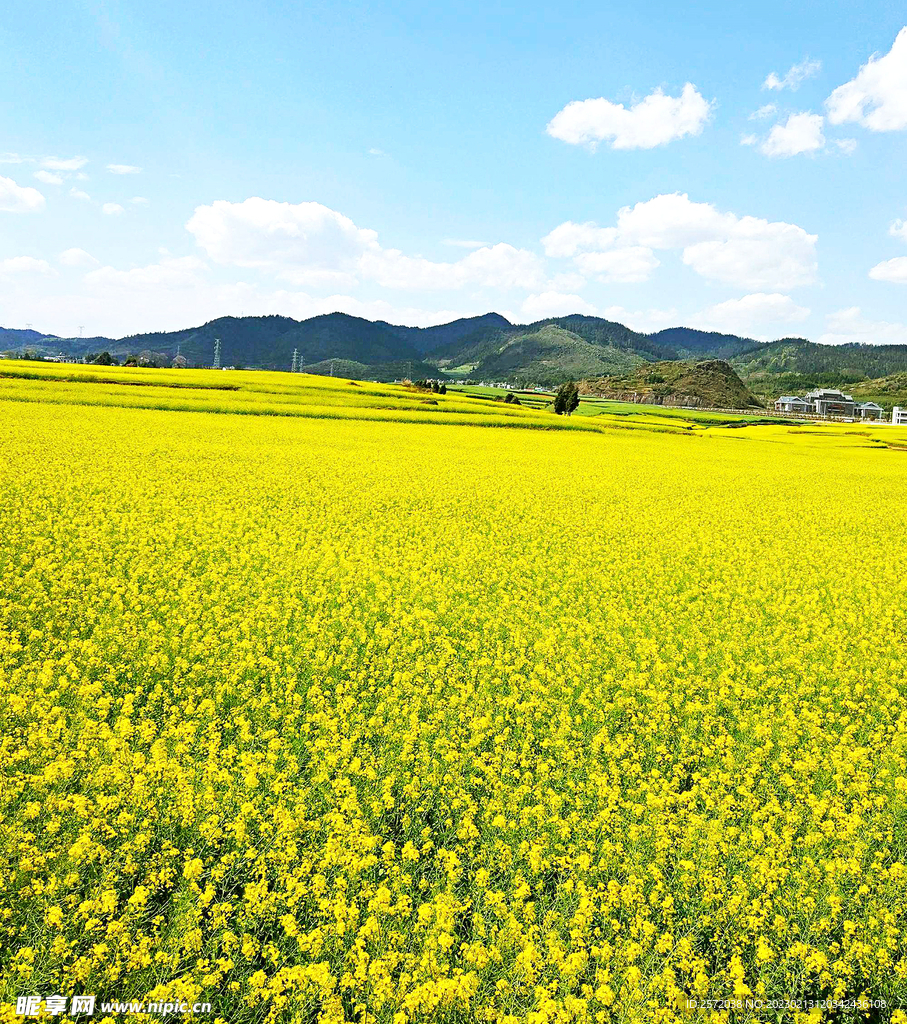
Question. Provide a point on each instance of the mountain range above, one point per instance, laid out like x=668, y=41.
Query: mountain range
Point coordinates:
x=487, y=347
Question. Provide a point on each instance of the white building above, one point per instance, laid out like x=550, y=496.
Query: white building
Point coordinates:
x=899, y=415
x=828, y=402
x=870, y=411
x=791, y=403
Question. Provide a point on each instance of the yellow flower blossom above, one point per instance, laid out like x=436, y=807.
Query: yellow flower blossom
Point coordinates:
x=321, y=717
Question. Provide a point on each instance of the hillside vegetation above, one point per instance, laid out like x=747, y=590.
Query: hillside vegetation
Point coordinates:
x=711, y=382
x=887, y=391
x=548, y=354
x=486, y=347
x=821, y=363
x=686, y=343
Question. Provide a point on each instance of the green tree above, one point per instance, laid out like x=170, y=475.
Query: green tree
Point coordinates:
x=566, y=398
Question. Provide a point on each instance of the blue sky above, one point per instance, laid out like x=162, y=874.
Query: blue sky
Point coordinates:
x=166, y=163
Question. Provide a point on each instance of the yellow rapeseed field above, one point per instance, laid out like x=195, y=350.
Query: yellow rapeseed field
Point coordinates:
x=324, y=720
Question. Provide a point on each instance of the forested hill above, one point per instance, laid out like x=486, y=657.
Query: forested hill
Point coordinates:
x=11, y=337
x=799, y=356
x=689, y=343
x=711, y=382
x=484, y=347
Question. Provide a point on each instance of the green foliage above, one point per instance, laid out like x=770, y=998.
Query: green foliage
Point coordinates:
x=548, y=355
x=710, y=382
x=489, y=347
x=886, y=391
x=827, y=365
x=687, y=343
x=773, y=385
x=566, y=398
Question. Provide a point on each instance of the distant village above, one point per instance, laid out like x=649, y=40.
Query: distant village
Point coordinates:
x=829, y=403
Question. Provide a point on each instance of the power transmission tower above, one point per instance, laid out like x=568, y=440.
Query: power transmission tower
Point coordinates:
x=332, y=367
x=295, y=367
x=216, y=354
x=81, y=328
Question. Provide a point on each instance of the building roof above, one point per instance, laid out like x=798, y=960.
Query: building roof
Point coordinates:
x=830, y=394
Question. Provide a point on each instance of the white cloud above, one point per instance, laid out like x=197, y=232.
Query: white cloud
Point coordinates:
x=268, y=234
x=894, y=270
x=501, y=266
x=550, y=304
x=188, y=299
x=77, y=258
x=877, y=97
x=496, y=266
x=632, y=263
x=464, y=243
x=49, y=178
x=801, y=133
x=77, y=193
x=794, y=77
x=644, y=320
x=14, y=158
x=653, y=121
x=19, y=198
x=747, y=252
x=671, y=221
x=112, y=209
x=765, y=111
x=123, y=169
x=54, y=163
x=751, y=314
x=175, y=292
x=139, y=201
x=374, y=151
x=899, y=229
x=567, y=281
x=568, y=239
x=301, y=305
x=849, y=326
x=25, y=265
x=180, y=272
x=309, y=277
x=309, y=244
x=758, y=255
